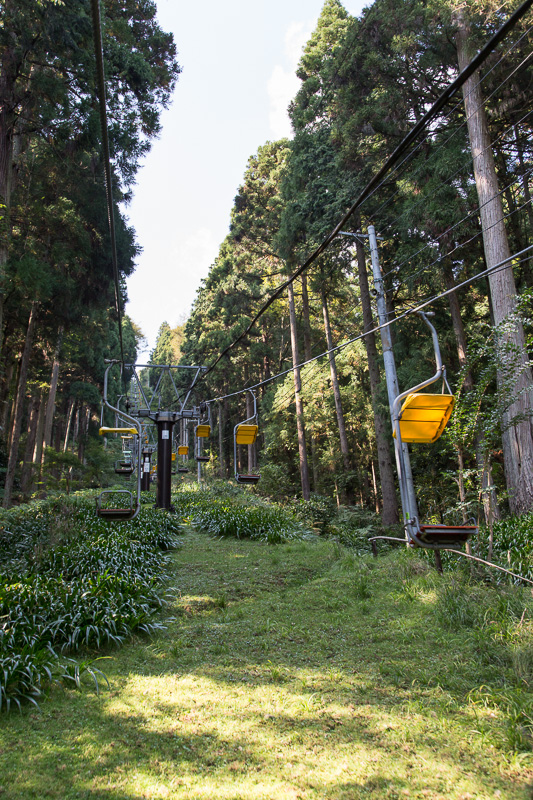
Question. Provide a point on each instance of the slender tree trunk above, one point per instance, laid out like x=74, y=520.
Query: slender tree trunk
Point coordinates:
x=50, y=405
x=307, y=356
x=383, y=438
x=6, y=403
x=7, y=106
x=525, y=188
x=517, y=438
x=70, y=416
x=19, y=407
x=81, y=432
x=300, y=425
x=33, y=423
x=343, y=438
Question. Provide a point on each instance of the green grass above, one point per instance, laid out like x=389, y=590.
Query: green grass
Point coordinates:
x=297, y=671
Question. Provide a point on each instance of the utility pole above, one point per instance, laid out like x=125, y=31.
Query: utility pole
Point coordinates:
x=405, y=476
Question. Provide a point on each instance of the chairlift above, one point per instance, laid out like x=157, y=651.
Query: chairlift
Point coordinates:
x=124, y=467
x=107, y=506
x=421, y=417
x=245, y=433
x=123, y=511
x=202, y=431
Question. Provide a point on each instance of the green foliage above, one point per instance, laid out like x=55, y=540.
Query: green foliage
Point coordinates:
x=513, y=544
x=71, y=581
x=230, y=516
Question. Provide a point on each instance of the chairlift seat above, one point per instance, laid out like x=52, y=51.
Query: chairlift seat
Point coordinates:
x=202, y=459
x=203, y=431
x=183, y=450
x=182, y=470
x=446, y=535
x=132, y=431
x=243, y=478
x=423, y=417
x=117, y=512
x=246, y=434
x=124, y=468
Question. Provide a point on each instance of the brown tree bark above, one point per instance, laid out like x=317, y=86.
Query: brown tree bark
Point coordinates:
x=382, y=429
x=343, y=438
x=70, y=416
x=517, y=438
x=54, y=378
x=33, y=419
x=300, y=424
x=19, y=407
x=306, y=319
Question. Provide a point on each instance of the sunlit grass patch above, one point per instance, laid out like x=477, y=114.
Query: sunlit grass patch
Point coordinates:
x=277, y=680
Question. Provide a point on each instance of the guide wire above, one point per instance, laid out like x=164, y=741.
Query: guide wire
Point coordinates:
x=99, y=56
x=390, y=162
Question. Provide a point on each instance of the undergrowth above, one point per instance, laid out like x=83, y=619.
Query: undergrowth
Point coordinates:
x=69, y=580
x=238, y=514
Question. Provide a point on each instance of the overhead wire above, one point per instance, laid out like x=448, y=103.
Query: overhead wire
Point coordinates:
x=391, y=161
x=468, y=216
x=428, y=301
x=100, y=83
x=387, y=202
x=450, y=178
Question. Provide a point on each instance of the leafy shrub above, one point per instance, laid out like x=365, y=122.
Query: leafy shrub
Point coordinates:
x=513, y=544
x=232, y=514
x=318, y=512
x=71, y=580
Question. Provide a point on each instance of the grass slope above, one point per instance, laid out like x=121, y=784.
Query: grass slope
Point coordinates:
x=295, y=671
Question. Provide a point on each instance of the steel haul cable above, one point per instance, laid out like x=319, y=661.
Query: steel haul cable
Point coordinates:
x=393, y=159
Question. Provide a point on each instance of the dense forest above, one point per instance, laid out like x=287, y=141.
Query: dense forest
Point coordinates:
x=457, y=203
x=57, y=318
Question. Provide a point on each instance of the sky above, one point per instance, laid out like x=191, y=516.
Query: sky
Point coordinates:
x=238, y=62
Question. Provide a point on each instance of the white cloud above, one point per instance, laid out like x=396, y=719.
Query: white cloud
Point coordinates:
x=283, y=83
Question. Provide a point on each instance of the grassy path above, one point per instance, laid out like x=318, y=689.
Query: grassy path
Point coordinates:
x=293, y=671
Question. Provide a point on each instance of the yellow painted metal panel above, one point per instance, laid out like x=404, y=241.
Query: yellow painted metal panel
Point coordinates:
x=183, y=450
x=423, y=417
x=246, y=434
x=203, y=431
x=133, y=431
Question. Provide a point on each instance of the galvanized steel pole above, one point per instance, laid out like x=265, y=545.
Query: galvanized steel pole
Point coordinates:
x=405, y=476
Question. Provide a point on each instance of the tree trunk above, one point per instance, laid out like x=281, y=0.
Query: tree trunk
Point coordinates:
x=33, y=420
x=343, y=438
x=81, y=432
x=50, y=405
x=221, y=440
x=19, y=407
x=525, y=188
x=300, y=425
x=307, y=356
x=517, y=438
x=7, y=107
x=4, y=418
x=386, y=473
x=70, y=416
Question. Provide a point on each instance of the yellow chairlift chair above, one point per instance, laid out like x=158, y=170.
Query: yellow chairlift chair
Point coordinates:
x=421, y=417
x=245, y=433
